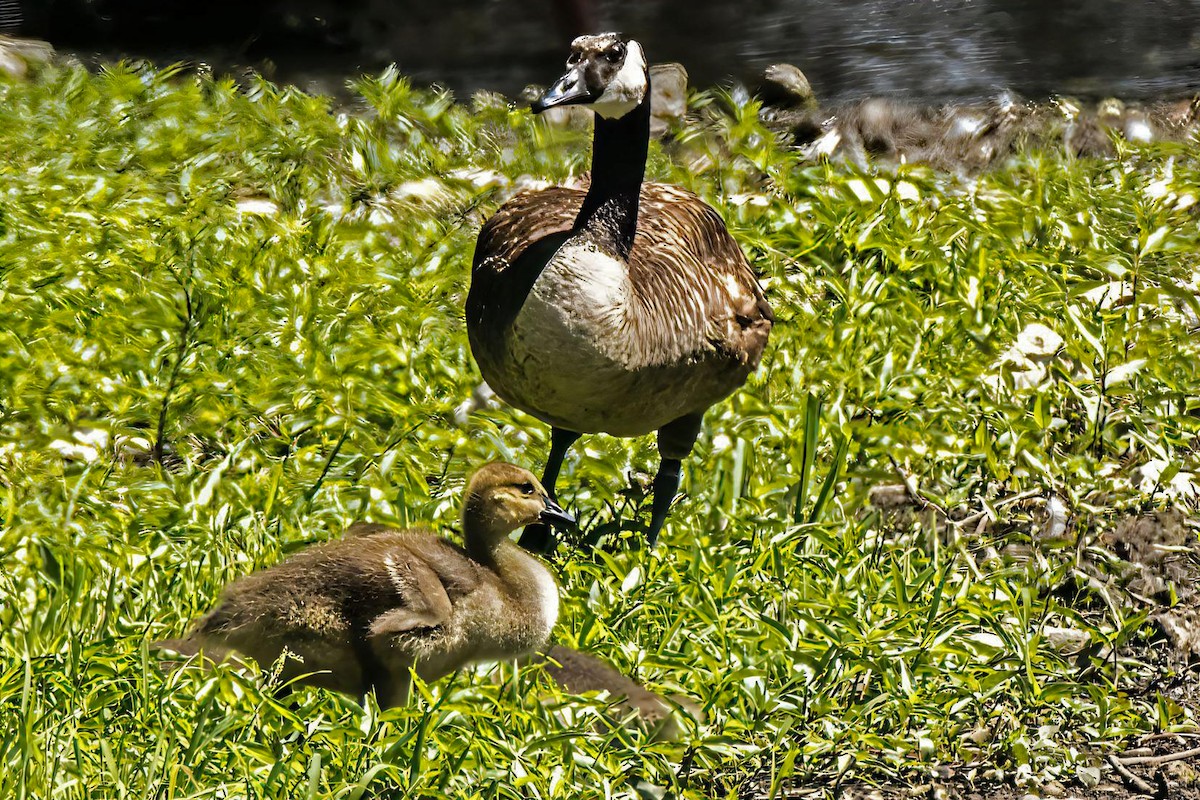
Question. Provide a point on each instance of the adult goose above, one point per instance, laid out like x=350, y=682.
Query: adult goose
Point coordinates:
x=355, y=615
x=625, y=308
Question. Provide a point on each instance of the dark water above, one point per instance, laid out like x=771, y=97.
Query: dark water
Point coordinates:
x=923, y=50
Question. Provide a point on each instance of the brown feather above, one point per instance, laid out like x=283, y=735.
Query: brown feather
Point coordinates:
x=693, y=285
x=360, y=612
x=693, y=325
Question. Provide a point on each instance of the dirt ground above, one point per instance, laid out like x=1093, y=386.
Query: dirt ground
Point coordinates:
x=1170, y=770
x=1152, y=563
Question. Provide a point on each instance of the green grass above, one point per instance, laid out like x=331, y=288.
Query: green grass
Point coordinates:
x=298, y=369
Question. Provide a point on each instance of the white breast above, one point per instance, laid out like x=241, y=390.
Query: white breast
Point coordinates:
x=547, y=599
x=578, y=303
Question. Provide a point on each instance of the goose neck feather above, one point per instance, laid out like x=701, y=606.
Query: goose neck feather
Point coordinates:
x=529, y=607
x=619, y=149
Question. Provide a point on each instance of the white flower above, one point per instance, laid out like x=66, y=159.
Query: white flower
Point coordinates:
x=257, y=206
x=425, y=190
x=749, y=198
x=1181, y=485
x=1037, y=341
x=1107, y=294
x=482, y=397
x=907, y=191
x=73, y=452
x=95, y=437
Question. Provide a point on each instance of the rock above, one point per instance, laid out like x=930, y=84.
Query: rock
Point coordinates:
x=1156, y=553
x=786, y=86
x=1054, y=789
x=18, y=55
x=1132, y=124
x=1182, y=773
x=1181, y=627
x=1085, y=138
x=11, y=64
x=889, y=495
x=1177, y=116
x=1154, y=539
x=980, y=735
x=1070, y=642
x=668, y=96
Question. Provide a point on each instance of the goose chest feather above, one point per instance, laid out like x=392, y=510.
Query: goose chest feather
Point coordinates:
x=621, y=306
x=597, y=342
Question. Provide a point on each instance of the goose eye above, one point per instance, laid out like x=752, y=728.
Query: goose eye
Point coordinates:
x=527, y=488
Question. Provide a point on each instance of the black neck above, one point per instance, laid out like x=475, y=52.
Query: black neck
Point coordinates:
x=619, y=148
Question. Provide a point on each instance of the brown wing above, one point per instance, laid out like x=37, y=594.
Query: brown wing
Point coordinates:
x=338, y=588
x=526, y=218
x=513, y=248
x=692, y=277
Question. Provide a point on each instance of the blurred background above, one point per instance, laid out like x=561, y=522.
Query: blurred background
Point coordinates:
x=922, y=50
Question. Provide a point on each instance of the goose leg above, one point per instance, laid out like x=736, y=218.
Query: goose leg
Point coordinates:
x=538, y=538
x=675, y=441
x=666, y=484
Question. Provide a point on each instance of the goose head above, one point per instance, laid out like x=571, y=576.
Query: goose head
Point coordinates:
x=605, y=71
x=502, y=498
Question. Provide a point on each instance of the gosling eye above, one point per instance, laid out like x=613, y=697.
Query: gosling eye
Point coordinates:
x=526, y=489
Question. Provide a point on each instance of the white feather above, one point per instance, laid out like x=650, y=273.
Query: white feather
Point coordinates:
x=547, y=591
x=627, y=89
x=578, y=279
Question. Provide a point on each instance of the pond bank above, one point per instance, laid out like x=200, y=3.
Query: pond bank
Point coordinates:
x=960, y=137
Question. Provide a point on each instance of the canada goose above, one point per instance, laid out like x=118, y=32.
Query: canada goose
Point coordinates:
x=359, y=612
x=626, y=308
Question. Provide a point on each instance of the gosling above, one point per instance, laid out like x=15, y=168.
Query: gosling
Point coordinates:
x=356, y=615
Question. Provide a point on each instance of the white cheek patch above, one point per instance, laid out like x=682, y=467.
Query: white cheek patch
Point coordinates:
x=627, y=89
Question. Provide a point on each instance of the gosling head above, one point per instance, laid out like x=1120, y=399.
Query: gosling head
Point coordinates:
x=605, y=71
x=502, y=498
